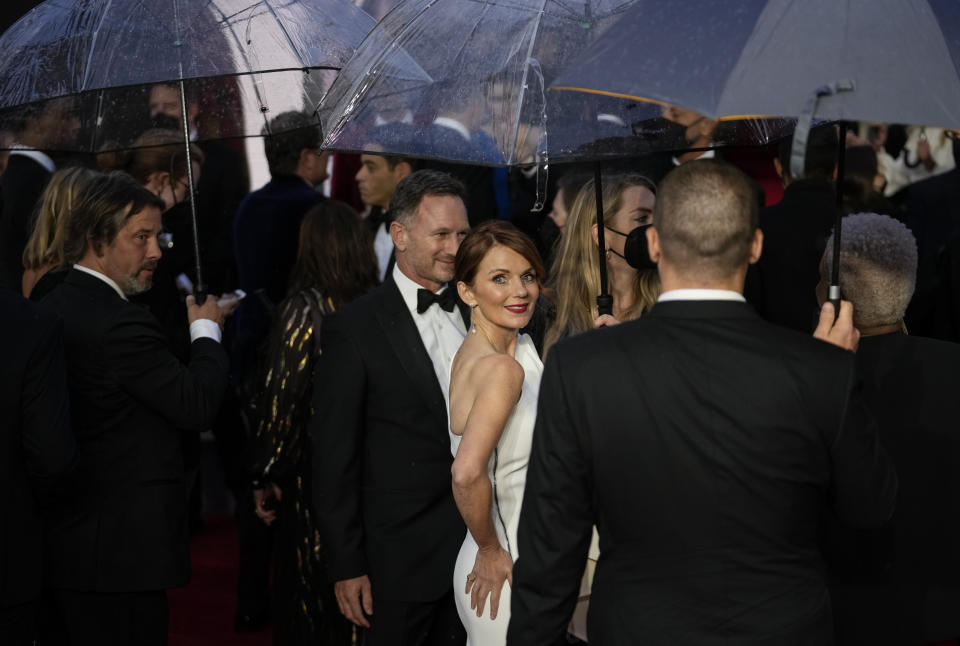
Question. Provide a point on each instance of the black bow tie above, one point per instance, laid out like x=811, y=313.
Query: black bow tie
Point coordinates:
x=447, y=299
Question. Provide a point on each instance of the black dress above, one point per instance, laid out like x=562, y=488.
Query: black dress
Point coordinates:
x=305, y=611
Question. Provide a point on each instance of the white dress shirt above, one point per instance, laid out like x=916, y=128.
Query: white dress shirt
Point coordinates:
x=383, y=248
x=199, y=329
x=38, y=156
x=442, y=332
x=701, y=295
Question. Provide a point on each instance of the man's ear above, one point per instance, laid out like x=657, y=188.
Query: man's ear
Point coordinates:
x=398, y=233
x=401, y=170
x=756, y=246
x=653, y=244
x=778, y=167
x=157, y=181
x=303, y=161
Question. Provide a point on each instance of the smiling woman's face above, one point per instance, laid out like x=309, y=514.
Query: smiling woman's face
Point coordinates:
x=505, y=288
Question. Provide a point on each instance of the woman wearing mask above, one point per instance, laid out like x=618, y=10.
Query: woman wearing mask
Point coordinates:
x=628, y=200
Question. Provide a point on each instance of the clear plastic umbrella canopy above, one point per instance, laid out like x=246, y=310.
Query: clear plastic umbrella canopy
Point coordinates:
x=89, y=65
x=470, y=80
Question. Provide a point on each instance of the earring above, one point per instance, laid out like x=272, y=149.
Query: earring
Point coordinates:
x=473, y=319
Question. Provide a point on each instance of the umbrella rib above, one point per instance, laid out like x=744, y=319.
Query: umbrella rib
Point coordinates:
x=96, y=36
x=283, y=28
x=239, y=45
x=523, y=83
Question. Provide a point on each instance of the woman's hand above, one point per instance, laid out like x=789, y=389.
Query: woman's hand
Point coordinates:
x=265, y=502
x=604, y=320
x=490, y=569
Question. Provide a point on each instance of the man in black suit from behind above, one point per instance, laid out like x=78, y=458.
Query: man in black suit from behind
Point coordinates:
x=381, y=446
x=781, y=284
x=47, y=126
x=119, y=538
x=704, y=443
x=901, y=584
x=267, y=227
x=36, y=446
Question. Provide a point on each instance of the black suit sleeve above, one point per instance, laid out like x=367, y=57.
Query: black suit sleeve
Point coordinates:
x=48, y=444
x=337, y=435
x=556, y=520
x=864, y=479
x=188, y=396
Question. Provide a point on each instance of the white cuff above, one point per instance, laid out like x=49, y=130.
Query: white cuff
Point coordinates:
x=204, y=329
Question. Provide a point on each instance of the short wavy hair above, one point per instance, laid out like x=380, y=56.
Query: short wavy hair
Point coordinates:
x=878, y=267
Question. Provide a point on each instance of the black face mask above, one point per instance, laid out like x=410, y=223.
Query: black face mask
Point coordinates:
x=635, y=250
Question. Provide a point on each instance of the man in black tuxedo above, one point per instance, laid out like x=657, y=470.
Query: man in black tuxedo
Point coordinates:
x=704, y=444
x=781, y=284
x=45, y=126
x=119, y=539
x=36, y=446
x=391, y=530
x=901, y=584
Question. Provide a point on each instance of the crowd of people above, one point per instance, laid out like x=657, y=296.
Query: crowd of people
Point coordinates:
x=428, y=427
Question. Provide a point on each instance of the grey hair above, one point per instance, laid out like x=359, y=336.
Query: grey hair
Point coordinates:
x=878, y=267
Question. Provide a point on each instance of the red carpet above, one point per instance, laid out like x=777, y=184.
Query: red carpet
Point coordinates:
x=201, y=614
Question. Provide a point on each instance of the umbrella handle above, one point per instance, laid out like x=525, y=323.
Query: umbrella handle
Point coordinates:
x=605, y=304
x=835, y=298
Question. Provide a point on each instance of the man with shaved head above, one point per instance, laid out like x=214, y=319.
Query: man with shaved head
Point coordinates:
x=900, y=585
x=704, y=444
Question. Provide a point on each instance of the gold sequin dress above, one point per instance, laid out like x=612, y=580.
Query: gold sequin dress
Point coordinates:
x=305, y=611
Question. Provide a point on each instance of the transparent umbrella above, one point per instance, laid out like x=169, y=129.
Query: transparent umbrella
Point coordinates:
x=470, y=79
x=87, y=67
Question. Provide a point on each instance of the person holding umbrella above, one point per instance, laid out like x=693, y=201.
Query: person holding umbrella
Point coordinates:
x=707, y=507
x=628, y=202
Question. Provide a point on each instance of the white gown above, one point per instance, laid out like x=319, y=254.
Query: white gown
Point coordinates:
x=508, y=474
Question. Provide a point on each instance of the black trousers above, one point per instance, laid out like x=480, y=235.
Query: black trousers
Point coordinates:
x=18, y=624
x=113, y=618
x=395, y=623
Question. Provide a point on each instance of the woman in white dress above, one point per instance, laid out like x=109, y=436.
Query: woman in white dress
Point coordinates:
x=494, y=382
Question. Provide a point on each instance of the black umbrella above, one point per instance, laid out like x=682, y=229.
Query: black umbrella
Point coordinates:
x=894, y=61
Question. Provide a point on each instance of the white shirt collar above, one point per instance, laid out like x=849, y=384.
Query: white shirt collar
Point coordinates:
x=408, y=288
x=707, y=154
x=102, y=277
x=701, y=295
x=380, y=121
x=453, y=124
x=38, y=156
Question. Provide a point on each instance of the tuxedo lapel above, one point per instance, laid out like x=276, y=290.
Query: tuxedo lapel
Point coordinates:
x=401, y=332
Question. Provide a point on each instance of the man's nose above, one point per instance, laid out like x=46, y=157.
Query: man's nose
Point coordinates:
x=153, y=248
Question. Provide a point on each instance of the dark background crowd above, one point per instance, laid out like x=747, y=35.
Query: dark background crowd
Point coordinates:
x=320, y=234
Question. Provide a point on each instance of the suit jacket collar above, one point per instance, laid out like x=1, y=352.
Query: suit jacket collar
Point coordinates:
x=401, y=331
x=704, y=310
x=91, y=283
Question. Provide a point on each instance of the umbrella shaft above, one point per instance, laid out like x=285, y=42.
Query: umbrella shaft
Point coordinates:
x=841, y=160
x=201, y=288
x=604, y=301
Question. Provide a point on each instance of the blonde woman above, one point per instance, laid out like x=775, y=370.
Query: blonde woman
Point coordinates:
x=44, y=251
x=628, y=200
